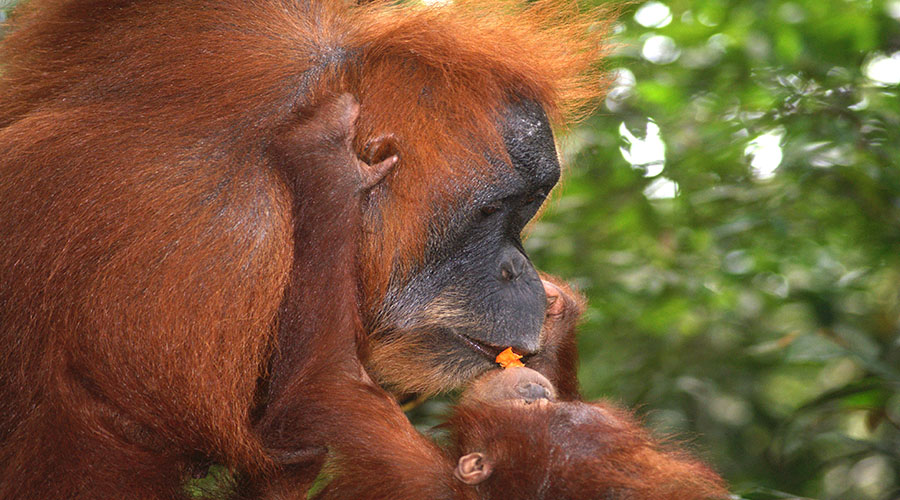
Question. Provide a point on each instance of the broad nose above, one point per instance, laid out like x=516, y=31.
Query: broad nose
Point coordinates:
x=512, y=264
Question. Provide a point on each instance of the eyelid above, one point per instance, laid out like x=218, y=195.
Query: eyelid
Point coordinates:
x=537, y=196
x=540, y=194
x=491, y=208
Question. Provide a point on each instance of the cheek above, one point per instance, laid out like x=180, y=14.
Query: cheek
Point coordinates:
x=392, y=245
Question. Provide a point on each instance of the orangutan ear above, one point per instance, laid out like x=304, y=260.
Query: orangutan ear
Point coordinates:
x=473, y=468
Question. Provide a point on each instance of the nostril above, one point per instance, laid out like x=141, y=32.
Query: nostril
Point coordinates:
x=531, y=392
x=507, y=271
x=513, y=264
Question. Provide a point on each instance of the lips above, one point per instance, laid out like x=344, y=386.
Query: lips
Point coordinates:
x=487, y=350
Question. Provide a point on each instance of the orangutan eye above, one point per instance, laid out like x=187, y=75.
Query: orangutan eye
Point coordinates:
x=538, y=196
x=491, y=209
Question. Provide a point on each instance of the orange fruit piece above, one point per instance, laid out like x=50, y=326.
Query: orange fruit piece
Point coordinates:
x=508, y=358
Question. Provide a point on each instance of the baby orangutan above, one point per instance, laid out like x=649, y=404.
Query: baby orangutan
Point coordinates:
x=515, y=439
x=517, y=434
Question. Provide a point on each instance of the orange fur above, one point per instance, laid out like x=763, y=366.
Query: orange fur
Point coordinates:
x=148, y=242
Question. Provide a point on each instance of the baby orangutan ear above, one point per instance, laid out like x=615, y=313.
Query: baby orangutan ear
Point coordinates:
x=473, y=468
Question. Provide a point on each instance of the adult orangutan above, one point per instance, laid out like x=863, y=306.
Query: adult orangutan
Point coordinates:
x=197, y=249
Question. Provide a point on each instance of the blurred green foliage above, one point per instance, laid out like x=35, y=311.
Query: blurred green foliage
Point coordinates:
x=733, y=215
x=754, y=310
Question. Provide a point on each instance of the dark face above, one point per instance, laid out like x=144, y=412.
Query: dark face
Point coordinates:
x=475, y=291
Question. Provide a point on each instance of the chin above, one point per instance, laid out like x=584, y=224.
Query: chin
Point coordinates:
x=433, y=363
